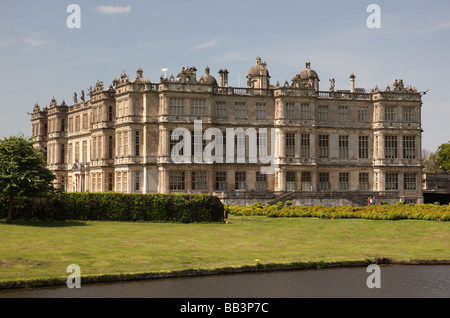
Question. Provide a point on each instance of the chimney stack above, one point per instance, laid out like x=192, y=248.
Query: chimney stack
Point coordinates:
x=220, y=78
x=225, y=77
x=352, y=83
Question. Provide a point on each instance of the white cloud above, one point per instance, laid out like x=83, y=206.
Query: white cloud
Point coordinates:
x=211, y=43
x=33, y=42
x=234, y=56
x=440, y=26
x=112, y=9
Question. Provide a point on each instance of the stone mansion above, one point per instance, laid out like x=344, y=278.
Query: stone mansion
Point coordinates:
x=330, y=147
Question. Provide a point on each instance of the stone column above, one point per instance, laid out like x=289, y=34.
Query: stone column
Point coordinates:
x=312, y=146
x=314, y=179
x=144, y=107
x=418, y=146
x=400, y=147
x=164, y=105
x=401, y=190
x=251, y=180
x=297, y=145
x=56, y=153
x=382, y=181
x=282, y=144
x=163, y=181
x=283, y=180
x=381, y=152
x=144, y=180
x=333, y=146
x=210, y=180
x=165, y=142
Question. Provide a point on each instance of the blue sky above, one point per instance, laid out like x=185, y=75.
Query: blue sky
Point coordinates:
x=41, y=57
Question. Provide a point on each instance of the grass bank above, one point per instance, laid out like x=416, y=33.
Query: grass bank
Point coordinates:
x=38, y=253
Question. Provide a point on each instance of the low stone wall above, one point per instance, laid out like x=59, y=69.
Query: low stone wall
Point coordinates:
x=328, y=202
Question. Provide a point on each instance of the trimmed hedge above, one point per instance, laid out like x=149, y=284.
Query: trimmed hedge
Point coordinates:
x=398, y=211
x=117, y=207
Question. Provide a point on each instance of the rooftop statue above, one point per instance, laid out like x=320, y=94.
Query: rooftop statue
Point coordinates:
x=332, y=83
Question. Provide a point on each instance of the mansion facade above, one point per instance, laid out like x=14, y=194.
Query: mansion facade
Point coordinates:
x=330, y=146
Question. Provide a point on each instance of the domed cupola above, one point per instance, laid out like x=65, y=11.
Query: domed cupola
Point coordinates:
x=307, y=78
x=208, y=79
x=258, y=76
x=140, y=79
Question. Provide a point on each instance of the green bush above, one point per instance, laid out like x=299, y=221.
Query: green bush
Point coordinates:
x=375, y=212
x=280, y=205
x=117, y=207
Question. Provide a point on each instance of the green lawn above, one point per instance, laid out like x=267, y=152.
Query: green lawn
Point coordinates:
x=43, y=250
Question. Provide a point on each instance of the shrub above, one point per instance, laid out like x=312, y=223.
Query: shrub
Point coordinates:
x=117, y=207
x=288, y=203
x=375, y=212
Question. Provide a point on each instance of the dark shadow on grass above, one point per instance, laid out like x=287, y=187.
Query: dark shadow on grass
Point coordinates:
x=45, y=223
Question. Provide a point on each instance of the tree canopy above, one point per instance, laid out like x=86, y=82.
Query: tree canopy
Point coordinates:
x=443, y=157
x=429, y=161
x=22, y=170
x=437, y=161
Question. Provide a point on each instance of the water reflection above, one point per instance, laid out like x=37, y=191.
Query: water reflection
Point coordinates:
x=396, y=281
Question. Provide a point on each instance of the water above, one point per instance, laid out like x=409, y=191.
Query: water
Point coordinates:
x=412, y=281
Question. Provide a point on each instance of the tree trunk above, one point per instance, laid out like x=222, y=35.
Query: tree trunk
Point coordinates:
x=10, y=209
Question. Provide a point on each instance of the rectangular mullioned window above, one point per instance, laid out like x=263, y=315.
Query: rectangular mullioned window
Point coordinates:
x=363, y=147
x=305, y=146
x=177, y=180
x=239, y=110
x=198, y=107
x=322, y=113
x=261, y=111
x=409, y=180
x=290, y=145
x=261, y=181
x=363, y=181
x=221, y=110
x=391, y=181
x=390, y=147
x=290, y=111
x=343, y=181
x=343, y=147
x=390, y=113
x=409, y=114
x=409, y=147
x=323, y=146
x=176, y=106
x=343, y=113
x=198, y=180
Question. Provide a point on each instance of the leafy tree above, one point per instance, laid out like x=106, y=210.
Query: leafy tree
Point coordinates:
x=443, y=157
x=429, y=161
x=22, y=170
